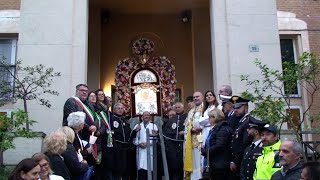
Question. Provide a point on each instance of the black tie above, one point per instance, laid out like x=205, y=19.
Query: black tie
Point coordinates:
x=253, y=146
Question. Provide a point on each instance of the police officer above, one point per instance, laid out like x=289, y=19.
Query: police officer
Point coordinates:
x=240, y=138
x=227, y=108
x=251, y=153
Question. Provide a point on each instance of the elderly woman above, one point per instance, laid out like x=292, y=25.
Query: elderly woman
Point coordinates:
x=27, y=169
x=70, y=156
x=54, y=145
x=217, y=146
x=76, y=122
x=45, y=172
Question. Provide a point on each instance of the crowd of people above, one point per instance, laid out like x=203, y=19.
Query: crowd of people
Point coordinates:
x=210, y=141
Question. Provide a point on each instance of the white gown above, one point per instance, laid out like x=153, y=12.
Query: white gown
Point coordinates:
x=141, y=154
x=205, y=124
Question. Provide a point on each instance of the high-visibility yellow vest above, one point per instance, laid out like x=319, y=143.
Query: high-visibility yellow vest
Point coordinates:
x=268, y=163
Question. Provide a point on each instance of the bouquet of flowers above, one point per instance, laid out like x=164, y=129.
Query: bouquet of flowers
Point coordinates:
x=142, y=46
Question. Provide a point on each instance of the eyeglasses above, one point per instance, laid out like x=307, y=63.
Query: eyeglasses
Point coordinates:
x=83, y=90
x=44, y=164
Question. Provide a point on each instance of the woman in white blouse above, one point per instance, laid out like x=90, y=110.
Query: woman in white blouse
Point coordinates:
x=209, y=104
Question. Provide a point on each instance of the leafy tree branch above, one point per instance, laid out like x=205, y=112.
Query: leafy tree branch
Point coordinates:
x=272, y=93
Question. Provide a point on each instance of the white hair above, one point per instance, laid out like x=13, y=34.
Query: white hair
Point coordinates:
x=75, y=119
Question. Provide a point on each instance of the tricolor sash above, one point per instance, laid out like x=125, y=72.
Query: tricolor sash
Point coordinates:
x=99, y=119
x=91, y=116
x=105, y=120
x=107, y=124
x=85, y=108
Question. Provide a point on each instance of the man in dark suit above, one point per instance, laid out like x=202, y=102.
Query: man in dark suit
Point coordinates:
x=79, y=103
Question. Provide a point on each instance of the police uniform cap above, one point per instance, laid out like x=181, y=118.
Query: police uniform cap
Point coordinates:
x=238, y=101
x=224, y=99
x=255, y=123
x=270, y=128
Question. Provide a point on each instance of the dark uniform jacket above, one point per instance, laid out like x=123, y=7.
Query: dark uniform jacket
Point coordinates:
x=219, y=147
x=233, y=120
x=174, y=142
x=291, y=174
x=72, y=106
x=248, y=164
x=240, y=140
x=122, y=141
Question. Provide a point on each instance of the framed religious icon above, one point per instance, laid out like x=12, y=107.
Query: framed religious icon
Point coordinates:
x=145, y=92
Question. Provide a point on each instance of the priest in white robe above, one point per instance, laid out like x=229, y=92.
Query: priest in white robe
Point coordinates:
x=192, y=157
x=141, y=143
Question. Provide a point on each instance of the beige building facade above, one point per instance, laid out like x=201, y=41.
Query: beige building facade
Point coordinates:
x=84, y=40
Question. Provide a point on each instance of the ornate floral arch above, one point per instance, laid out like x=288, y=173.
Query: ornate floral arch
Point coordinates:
x=142, y=48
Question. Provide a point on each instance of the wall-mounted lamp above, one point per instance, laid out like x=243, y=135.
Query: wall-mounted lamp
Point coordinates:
x=186, y=16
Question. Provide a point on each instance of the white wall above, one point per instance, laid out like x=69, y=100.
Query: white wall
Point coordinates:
x=237, y=24
x=53, y=33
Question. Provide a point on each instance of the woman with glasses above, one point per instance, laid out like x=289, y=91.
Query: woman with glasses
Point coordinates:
x=27, y=169
x=102, y=104
x=45, y=171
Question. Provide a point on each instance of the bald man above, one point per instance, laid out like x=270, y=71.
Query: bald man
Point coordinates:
x=192, y=143
x=173, y=131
